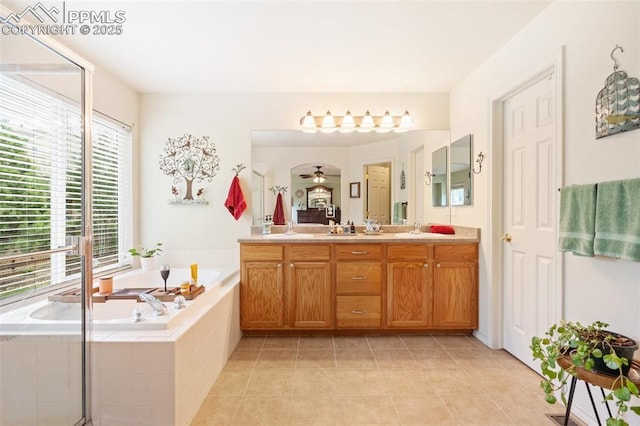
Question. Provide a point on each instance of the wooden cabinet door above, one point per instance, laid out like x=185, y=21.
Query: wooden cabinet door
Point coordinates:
x=409, y=295
x=455, y=294
x=310, y=284
x=262, y=295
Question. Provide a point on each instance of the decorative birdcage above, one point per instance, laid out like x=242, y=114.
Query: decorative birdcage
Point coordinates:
x=618, y=103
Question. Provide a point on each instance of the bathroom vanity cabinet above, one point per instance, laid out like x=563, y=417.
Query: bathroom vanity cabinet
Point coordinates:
x=285, y=286
x=455, y=286
x=262, y=304
x=308, y=281
x=360, y=285
x=409, y=286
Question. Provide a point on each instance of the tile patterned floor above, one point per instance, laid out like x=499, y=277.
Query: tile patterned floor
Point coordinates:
x=379, y=380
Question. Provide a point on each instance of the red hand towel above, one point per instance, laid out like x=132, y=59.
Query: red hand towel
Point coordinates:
x=278, y=213
x=235, y=199
x=442, y=229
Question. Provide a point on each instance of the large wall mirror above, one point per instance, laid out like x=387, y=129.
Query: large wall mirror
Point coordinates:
x=293, y=159
x=439, y=187
x=461, y=176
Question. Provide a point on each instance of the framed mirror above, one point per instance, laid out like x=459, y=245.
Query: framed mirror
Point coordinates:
x=439, y=174
x=460, y=175
x=319, y=197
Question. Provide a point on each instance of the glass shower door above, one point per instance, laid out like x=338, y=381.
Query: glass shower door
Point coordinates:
x=45, y=214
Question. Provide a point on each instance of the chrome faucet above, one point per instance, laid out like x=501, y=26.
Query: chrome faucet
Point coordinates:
x=158, y=307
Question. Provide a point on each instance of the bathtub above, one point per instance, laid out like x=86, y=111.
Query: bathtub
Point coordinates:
x=158, y=371
x=113, y=315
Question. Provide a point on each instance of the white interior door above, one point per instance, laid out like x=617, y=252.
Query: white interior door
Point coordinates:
x=530, y=198
x=379, y=193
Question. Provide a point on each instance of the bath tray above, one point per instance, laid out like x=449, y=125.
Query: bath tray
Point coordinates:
x=75, y=296
x=172, y=292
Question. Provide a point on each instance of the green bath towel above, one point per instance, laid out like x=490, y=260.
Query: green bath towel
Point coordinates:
x=618, y=220
x=577, y=219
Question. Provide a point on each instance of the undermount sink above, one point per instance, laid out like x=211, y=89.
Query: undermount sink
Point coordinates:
x=286, y=236
x=419, y=235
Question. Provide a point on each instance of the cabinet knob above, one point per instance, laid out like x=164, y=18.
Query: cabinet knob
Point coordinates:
x=358, y=252
x=426, y=265
x=437, y=265
x=291, y=265
x=358, y=311
x=279, y=265
x=358, y=278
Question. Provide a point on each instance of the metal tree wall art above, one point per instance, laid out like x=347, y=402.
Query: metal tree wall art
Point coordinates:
x=190, y=158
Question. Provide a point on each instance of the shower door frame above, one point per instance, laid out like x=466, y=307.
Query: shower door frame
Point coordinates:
x=85, y=242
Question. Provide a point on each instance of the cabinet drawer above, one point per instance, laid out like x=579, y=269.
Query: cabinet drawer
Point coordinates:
x=358, y=311
x=420, y=252
x=308, y=252
x=358, y=277
x=358, y=251
x=261, y=252
x=456, y=252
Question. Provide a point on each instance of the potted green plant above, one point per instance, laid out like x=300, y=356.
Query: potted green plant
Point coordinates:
x=568, y=347
x=147, y=261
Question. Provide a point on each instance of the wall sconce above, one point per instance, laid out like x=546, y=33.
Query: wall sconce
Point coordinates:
x=427, y=178
x=479, y=160
x=349, y=123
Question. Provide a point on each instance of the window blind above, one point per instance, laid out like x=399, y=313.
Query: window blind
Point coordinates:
x=41, y=188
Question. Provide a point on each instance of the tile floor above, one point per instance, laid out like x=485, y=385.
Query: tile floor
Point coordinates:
x=379, y=380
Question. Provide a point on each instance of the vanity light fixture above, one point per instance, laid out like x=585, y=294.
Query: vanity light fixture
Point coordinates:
x=362, y=124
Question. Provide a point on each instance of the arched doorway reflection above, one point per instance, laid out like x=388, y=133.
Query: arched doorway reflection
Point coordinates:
x=315, y=193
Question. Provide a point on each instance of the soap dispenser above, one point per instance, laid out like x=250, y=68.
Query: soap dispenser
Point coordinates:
x=266, y=224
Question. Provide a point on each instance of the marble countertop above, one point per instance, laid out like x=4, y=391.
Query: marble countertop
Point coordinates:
x=389, y=234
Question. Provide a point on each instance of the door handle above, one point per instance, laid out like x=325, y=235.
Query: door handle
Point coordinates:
x=506, y=238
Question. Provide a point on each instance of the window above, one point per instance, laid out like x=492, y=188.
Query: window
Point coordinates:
x=40, y=188
x=457, y=195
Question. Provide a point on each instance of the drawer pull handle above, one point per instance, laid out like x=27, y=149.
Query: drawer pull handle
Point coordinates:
x=358, y=311
x=358, y=252
x=359, y=278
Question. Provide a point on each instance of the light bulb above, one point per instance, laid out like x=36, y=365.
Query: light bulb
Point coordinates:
x=386, y=125
x=328, y=123
x=348, y=125
x=406, y=122
x=308, y=123
x=367, y=124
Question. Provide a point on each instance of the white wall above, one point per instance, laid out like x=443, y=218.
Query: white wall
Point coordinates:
x=594, y=288
x=229, y=119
